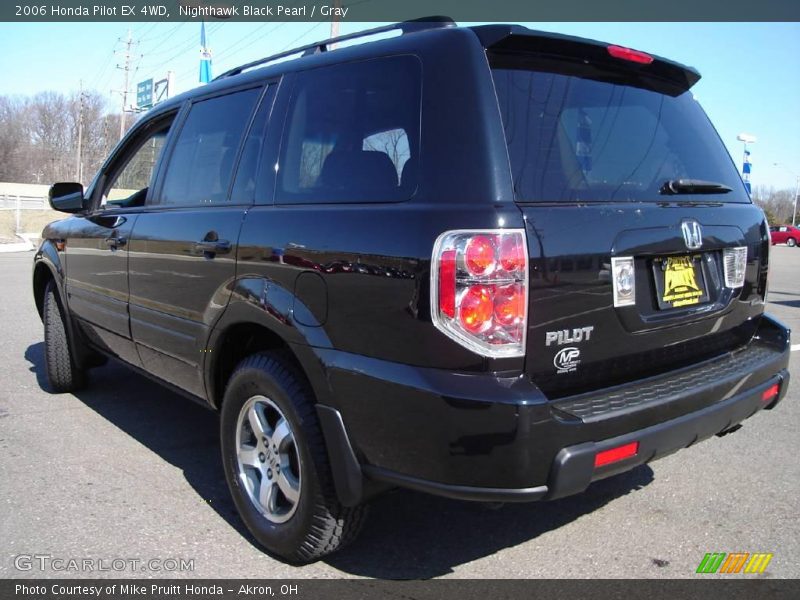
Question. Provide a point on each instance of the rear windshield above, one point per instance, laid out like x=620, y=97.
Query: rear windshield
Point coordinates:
x=575, y=139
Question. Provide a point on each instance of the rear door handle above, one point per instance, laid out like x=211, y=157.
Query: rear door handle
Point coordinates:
x=215, y=247
x=114, y=243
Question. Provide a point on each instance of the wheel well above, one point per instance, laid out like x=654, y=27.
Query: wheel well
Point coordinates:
x=41, y=277
x=238, y=342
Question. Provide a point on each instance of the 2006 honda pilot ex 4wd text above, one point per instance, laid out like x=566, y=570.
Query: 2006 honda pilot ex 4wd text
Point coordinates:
x=487, y=263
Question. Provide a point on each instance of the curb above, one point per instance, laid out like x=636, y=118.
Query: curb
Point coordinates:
x=16, y=247
x=24, y=246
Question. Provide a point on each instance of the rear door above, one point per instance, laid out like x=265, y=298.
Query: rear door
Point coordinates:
x=183, y=248
x=634, y=215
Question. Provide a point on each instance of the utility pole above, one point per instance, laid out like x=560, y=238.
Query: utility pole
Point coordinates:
x=335, y=21
x=124, y=91
x=78, y=162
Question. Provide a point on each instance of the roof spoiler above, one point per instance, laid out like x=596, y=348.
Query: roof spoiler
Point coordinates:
x=653, y=72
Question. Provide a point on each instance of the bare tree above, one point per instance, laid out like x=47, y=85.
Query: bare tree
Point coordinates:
x=777, y=204
x=39, y=136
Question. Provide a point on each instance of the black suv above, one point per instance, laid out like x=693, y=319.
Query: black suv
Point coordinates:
x=487, y=263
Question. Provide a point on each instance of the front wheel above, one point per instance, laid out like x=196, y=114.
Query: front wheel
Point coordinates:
x=276, y=464
x=61, y=367
x=791, y=242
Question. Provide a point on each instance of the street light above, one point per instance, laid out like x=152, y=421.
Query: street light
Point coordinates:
x=746, y=138
x=796, y=188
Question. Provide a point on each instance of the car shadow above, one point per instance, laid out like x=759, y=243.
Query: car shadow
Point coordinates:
x=182, y=432
x=408, y=535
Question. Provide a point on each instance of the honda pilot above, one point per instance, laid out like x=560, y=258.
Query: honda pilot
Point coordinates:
x=487, y=263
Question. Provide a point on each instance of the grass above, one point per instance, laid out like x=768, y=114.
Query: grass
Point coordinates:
x=31, y=221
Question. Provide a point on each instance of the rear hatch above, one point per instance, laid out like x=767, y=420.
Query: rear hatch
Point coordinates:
x=634, y=211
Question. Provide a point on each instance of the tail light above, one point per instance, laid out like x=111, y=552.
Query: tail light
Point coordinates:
x=735, y=263
x=624, y=281
x=479, y=290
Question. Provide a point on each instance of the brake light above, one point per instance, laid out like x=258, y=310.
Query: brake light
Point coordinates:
x=629, y=54
x=509, y=304
x=479, y=290
x=476, y=308
x=512, y=252
x=606, y=457
x=480, y=255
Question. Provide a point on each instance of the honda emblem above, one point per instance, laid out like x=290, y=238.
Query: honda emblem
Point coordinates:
x=692, y=234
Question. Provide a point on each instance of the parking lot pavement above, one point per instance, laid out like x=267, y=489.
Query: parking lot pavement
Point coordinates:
x=127, y=470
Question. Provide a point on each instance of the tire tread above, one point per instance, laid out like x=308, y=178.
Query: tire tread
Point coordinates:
x=334, y=526
x=63, y=374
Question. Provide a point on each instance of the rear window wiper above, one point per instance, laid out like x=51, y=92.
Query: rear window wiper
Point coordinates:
x=693, y=186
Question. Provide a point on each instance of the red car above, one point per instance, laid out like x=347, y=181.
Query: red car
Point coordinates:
x=784, y=234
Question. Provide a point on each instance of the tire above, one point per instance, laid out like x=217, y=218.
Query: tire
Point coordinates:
x=308, y=522
x=791, y=242
x=63, y=373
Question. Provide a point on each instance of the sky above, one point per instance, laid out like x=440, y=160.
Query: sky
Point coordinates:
x=750, y=84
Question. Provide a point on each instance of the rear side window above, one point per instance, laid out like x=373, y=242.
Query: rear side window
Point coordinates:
x=575, y=139
x=352, y=133
x=201, y=166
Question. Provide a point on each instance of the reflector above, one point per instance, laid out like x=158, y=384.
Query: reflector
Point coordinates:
x=606, y=457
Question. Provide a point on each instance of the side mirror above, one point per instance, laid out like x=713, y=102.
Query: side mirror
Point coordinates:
x=67, y=197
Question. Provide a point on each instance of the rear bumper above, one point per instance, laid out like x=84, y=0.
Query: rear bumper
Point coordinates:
x=490, y=438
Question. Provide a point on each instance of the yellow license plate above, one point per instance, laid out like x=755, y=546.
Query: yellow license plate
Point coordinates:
x=679, y=281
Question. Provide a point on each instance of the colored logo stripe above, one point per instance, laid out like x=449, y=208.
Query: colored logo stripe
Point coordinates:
x=711, y=562
x=758, y=563
x=734, y=562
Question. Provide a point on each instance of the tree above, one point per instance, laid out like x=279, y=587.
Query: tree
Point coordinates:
x=39, y=136
x=776, y=204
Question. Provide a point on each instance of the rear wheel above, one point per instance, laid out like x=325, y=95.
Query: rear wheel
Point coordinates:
x=791, y=242
x=276, y=464
x=63, y=373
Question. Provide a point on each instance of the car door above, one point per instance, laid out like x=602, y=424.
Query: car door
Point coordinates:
x=182, y=252
x=97, y=252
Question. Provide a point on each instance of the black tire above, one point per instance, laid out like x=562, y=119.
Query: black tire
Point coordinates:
x=63, y=373
x=319, y=524
x=791, y=242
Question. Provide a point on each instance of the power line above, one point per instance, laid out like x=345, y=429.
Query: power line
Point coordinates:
x=167, y=36
x=129, y=43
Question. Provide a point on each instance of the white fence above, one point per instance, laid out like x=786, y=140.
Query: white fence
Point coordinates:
x=16, y=202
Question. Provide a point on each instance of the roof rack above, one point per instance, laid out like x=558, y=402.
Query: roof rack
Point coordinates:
x=411, y=26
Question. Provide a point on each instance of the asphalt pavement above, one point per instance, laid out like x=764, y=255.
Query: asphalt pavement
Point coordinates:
x=127, y=471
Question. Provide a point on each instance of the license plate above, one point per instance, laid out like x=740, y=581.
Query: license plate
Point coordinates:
x=680, y=281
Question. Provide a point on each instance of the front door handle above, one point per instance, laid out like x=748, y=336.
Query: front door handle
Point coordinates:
x=114, y=243
x=212, y=248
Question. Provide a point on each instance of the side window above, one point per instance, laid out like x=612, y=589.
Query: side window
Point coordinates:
x=352, y=133
x=129, y=183
x=244, y=185
x=393, y=143
x=200, y=168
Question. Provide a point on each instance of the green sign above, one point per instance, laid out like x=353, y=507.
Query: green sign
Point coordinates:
x=144, y=93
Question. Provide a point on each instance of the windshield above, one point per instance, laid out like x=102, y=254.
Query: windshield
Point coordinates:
x=576, y=139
